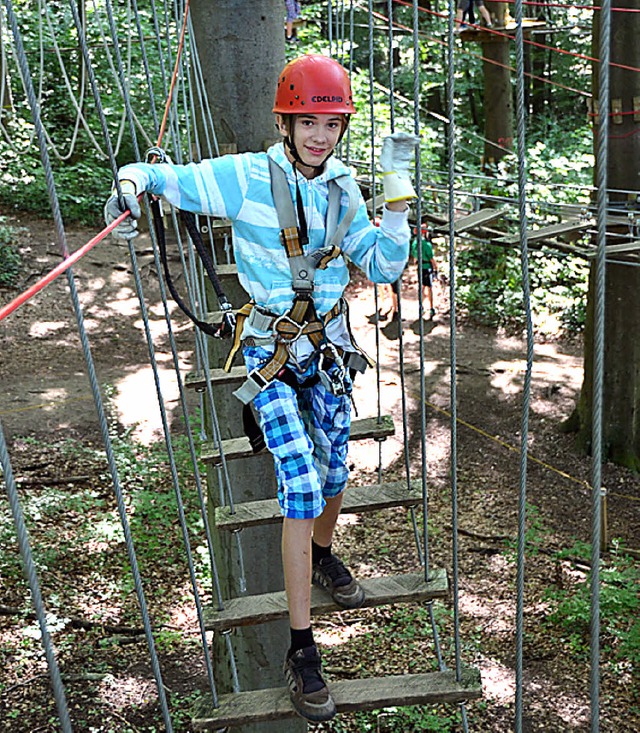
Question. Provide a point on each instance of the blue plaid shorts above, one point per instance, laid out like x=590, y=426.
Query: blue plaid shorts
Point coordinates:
x=307, y=434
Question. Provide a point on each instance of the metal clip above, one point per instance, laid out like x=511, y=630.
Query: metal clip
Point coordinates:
x=284, y=318
x=334, y=382
x=156, y=155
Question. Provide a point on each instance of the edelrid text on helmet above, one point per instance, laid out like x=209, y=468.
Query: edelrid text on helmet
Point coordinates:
x=314, y=84
x=325, y=98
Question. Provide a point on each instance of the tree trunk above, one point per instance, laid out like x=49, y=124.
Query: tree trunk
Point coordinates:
x=621, y=398
x=498, y=94
x=241, y=49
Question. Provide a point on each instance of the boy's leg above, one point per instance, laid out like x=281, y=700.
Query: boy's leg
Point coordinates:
x=296, y=562
x=300, y=497
x=324, y=525
x=329, y=571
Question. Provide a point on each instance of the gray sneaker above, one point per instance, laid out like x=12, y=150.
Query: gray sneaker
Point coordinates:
x=308, y=691
x=331, y=574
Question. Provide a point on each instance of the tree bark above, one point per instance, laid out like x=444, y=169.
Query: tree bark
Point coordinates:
x=621, y=358
x=498, y=94
x=241, y=49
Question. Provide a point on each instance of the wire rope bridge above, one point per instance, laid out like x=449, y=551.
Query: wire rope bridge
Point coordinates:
x=227, y=492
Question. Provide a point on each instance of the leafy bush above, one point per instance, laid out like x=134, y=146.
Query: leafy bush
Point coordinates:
x=619, y=608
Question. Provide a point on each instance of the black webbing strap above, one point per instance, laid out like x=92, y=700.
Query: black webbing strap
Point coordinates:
x=190, y=223
x=252, y=429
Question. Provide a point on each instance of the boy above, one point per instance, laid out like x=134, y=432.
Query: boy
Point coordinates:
x=429, y=271
x=304, y=408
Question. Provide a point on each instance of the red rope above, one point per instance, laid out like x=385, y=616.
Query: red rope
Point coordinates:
x=174, y=76
x=67, y=262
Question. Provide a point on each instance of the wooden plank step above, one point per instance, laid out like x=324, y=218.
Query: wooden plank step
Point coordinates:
x=230, y=270
x=626, y=247
x=197, y=381
x=242, y=708
x=554, y=230
x=361, y=429
x=478, y=218
x=356, y=499
x=258, y=609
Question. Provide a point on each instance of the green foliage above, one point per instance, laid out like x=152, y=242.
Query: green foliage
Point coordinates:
x=490, y=291
x=432, y=718
x=619, y=608
x=77, y=152
x=10, y=260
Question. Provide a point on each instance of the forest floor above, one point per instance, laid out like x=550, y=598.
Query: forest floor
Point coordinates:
x=50, y=425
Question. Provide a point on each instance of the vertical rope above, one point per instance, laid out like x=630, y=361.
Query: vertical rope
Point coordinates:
x=161, y=405
x=55, y=208
x=372, y=140
x=34, y=585
x=453, y=385
x=524, y=436
x=602, y=163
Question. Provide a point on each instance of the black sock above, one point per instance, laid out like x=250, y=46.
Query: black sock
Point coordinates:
x=300, y=638
x=318, y=552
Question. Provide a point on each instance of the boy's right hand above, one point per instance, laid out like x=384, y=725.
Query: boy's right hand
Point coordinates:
x=128, y=228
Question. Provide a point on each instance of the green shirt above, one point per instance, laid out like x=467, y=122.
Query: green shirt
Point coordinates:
x=427, y=253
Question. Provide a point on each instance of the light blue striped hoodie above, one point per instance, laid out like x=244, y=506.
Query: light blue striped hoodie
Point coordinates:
x=238, y=187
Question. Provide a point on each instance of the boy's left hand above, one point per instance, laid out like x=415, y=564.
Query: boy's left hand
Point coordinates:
x=398, y=152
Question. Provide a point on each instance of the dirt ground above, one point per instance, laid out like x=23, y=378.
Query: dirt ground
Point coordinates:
x=46, y=397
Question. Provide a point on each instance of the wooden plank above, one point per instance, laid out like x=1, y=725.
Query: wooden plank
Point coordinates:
x=554, y=230
x=478, y=218
x=258, y=609
x=197, y=381
x=372, y=693
x=361, y=429
x=230, y=270
x=356, y=499
x=626, y=248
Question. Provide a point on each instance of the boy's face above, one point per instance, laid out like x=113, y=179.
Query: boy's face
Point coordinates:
x=314, y=137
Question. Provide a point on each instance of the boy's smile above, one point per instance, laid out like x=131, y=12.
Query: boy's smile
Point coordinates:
x=314, y=138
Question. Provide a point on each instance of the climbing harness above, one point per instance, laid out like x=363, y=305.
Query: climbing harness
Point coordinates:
x=301, y=319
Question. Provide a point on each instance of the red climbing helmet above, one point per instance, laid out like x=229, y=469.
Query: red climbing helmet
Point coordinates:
x=314, y=84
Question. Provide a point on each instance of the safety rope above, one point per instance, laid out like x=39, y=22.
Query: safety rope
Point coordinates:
x=526, y=390
x=153, y=362
x=602, y=160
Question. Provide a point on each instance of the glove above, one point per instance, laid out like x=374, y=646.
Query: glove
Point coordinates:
x=397, y=154
x=127, y=229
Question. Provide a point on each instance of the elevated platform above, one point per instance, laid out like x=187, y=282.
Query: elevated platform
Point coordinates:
x=563, y=229
x=472, y=221
x=497, y=34
x=349, y=695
